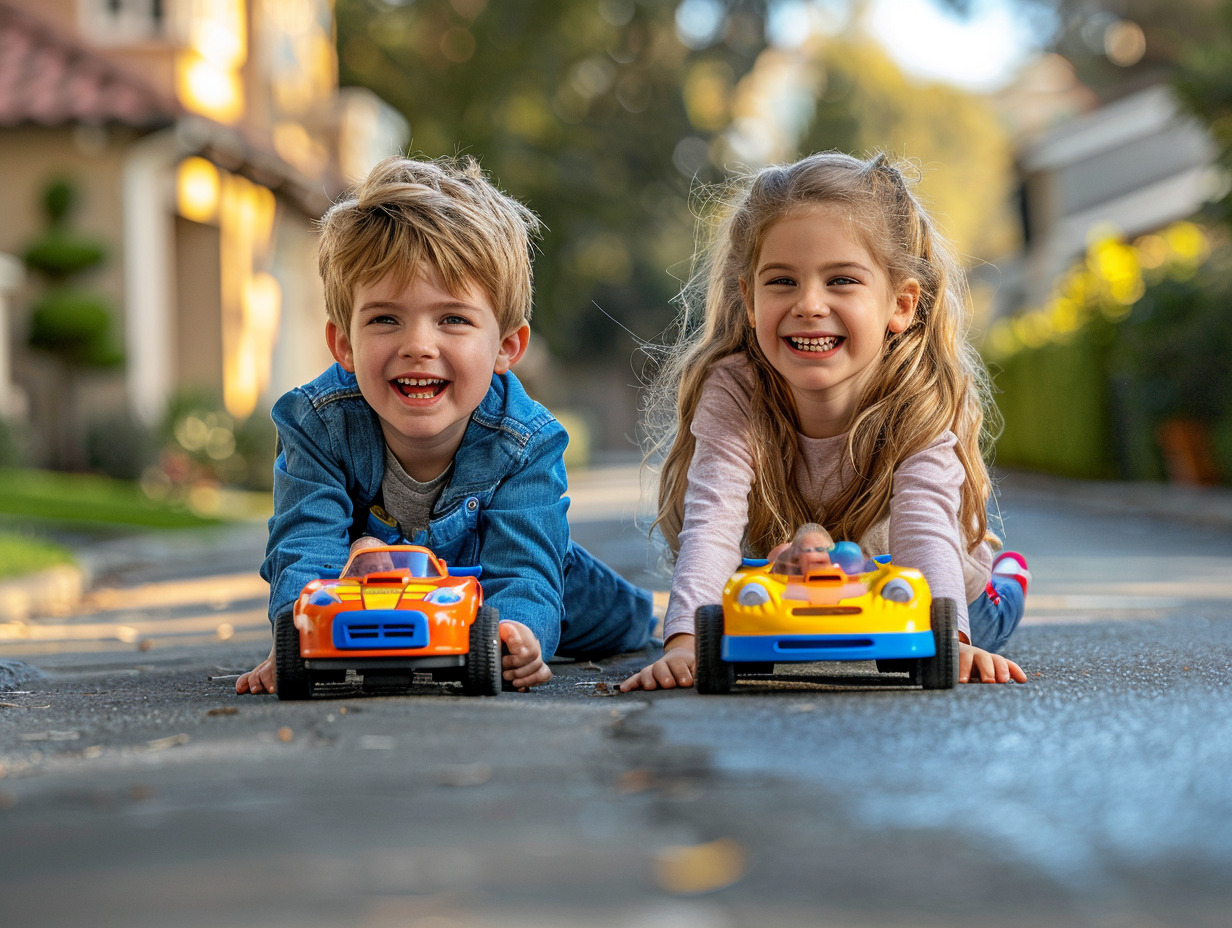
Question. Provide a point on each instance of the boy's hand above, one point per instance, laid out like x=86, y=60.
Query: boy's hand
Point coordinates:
x=987, y=667
x=523, y=666
x=260, y=679
x=675, y=668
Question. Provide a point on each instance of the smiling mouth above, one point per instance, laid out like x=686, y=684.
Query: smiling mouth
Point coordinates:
x=419, y=388
x=824, y=343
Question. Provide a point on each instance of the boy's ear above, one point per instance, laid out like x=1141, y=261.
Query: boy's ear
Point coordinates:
x=512, y=347
x=905, y=301
x=340, y=347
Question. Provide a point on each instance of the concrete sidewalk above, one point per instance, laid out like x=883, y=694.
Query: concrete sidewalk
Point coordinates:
x=603, y=492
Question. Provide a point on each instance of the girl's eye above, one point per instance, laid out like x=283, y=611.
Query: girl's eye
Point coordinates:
x=843, y=282
x=780, y=282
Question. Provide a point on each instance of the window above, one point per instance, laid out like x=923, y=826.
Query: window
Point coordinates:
x=114, y=22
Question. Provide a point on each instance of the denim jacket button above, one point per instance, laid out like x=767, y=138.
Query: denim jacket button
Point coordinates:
x=472, y=504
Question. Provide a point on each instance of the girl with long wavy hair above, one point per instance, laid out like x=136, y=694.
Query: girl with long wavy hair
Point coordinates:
x=822, y=374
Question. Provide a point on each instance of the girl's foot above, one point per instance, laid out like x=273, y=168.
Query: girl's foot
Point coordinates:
x=1012, y=564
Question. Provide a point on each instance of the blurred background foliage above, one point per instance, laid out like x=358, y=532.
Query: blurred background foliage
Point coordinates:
x=607, y=117
x=1125, y=373
x=604, y=115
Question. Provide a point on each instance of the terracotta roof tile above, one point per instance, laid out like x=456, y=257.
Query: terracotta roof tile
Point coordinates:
x=47, y=79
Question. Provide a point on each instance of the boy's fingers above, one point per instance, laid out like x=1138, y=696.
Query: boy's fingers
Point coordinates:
x=542, y=673
x=511, y=636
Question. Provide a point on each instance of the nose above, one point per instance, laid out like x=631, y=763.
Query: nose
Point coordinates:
x=810, y=303
x=419, y=340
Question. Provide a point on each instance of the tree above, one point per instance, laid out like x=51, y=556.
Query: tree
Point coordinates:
x=1204, y=84
x=595, y=114
x=69, y=323
x=865, y=104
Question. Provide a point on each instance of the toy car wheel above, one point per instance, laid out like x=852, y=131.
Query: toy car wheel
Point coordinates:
x=714, y=675
x=291, y=677
x=482, y=675
x=940, y=672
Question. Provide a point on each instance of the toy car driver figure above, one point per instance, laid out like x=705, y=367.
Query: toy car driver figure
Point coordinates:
x=809, y=550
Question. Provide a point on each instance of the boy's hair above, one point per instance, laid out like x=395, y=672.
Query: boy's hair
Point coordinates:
x=930, y=378
x=444, y=213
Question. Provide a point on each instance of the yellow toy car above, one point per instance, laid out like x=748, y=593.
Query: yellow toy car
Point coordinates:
x=846, y=608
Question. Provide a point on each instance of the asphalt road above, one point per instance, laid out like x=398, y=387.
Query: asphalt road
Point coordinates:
x=137, y=789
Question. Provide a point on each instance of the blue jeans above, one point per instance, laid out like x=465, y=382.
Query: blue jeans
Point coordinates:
x=992, y=623
x=605, y=614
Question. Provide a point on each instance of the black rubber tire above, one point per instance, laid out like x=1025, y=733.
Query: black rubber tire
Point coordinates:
x=482, y=674
x=940, y=672
x=714, y=675
x=291, y=677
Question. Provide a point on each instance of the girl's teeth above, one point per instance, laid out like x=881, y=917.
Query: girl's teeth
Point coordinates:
x=815, y=344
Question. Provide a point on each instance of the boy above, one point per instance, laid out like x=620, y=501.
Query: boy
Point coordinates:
x=421, y=430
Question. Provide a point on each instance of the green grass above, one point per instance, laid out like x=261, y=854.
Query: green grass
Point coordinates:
x=88, y=499
x=21, y=554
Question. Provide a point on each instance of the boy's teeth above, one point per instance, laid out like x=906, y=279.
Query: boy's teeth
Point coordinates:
x=408, y=385
x=814, y=344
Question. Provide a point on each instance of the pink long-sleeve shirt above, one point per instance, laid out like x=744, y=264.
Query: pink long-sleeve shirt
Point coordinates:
x=921, y=529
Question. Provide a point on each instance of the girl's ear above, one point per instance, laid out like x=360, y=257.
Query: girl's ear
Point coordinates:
x=748, y=302
x=512, y=347
x=340, y=347
x=905, y=301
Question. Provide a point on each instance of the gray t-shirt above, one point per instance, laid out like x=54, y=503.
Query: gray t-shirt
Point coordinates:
x=407, y=500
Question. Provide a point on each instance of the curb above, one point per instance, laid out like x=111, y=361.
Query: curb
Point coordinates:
x=55, y=591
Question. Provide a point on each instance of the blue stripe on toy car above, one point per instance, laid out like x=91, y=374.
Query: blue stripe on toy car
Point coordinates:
x=380, y=628
x=802, y=648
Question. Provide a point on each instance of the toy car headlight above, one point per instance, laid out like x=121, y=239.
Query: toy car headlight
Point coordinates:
x=325, y=596
x=753, y=594
x=898, y=590
x=444, y=596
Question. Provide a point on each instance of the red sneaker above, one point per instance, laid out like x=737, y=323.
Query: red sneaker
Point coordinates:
x=1012, y=564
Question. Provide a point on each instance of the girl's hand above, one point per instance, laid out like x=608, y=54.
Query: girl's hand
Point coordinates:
x=674, y=668
x=988, y=667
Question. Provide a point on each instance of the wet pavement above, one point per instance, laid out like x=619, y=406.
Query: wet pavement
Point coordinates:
x=137, y=789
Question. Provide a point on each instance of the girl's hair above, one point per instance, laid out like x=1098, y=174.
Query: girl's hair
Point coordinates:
x=930, y=378
x=445, y=214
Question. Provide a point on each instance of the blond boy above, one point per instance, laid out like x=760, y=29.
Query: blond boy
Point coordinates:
x=420, y=432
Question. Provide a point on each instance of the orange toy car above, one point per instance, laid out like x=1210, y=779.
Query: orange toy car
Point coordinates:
x=395, y=611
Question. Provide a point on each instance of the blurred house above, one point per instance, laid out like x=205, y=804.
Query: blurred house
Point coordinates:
x=205, y=139
x=1134, y=164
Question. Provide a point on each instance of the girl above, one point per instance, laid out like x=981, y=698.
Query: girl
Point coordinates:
x=828, y=380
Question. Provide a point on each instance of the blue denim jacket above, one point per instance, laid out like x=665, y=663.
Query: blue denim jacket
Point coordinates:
x=503, y=509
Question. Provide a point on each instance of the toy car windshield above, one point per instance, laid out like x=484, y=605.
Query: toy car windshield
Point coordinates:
x=813, y=550
x=414, y=563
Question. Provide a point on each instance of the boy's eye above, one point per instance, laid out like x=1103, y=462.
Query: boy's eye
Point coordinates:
x=382, y=319
x=455, y=319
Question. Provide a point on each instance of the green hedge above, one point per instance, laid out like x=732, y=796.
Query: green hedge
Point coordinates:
x=1055, y=406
